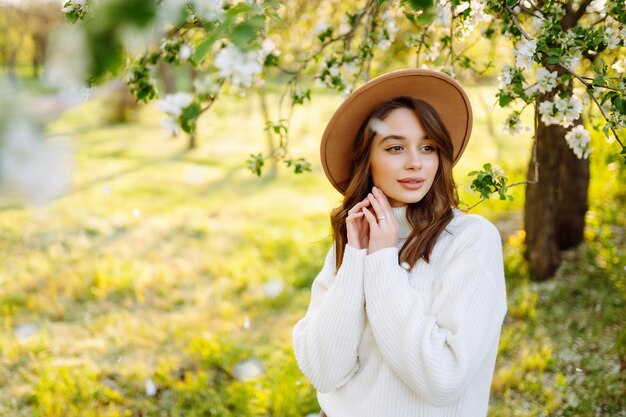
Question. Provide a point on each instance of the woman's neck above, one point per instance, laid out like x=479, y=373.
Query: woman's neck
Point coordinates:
x=403, y=222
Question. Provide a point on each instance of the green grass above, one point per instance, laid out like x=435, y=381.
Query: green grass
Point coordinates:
x=150, y=265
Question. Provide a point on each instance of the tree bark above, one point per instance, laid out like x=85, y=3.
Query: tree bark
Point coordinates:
x=572, y=201
x=555, y=207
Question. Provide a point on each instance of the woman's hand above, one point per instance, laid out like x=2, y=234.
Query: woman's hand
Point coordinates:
x=357, y=226
x=384, y=228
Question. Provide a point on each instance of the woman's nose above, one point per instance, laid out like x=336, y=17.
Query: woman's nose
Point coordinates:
x=413, y=160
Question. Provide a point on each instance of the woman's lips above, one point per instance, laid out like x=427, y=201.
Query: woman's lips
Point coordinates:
x=411, y=184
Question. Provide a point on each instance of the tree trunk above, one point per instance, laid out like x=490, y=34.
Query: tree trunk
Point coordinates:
x=555, y=207
x=40, y=40
x=167, y=75
x=572, y=201
x=269, y=135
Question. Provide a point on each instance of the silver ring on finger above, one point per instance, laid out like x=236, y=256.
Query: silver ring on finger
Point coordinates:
x=381, y=217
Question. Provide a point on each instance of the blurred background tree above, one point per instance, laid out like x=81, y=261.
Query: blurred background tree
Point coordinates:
x=566, y=58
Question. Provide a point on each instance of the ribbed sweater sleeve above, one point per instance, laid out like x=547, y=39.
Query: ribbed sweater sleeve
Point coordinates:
x=326, y=339
x=438, y=354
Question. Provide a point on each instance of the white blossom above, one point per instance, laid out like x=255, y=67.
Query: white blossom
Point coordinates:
x=36, y=168
x=25, y=331
x=269, y=47
x=185, y=52
x=379, y=127
x=544, y=83
x=537, y=23
x=513, y=124
x=524, y=51
x=612, y=41
x=561, y=111
x=390, y=24
x=433, y=51
x=209, y=10
x=169, y=11
x=351, y=68
x=151, y=388
x=346, y=91
x=206, y=85
x=578, y=140
x=478, y=12
x=273, y=288
x=498, y=173
x=597, y=6
x=619, y=66
x=461, y=7
x=617, y=120
x=506, y=77
x=173, y=104
x=78, y=6
x=320, y=27
x=572, y=61
x=570, y=107
x=383, y=44
x=171, y=126
x=248, y=369
x=241, y=67
x=444, y=13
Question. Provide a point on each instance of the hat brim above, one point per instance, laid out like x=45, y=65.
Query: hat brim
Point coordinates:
x=444, y=94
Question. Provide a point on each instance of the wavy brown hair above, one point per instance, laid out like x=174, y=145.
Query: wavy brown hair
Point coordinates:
x=429, y=216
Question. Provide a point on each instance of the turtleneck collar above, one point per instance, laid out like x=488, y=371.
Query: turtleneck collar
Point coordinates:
x=403, y=222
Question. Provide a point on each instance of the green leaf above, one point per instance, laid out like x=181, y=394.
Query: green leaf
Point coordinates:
x=243, y=34
x=189, y=117
x=504, y=99
x=599, y=81
x=608, y=96
x=422, y=5
x=255, y=163
x=207, y=43
x=599, y=67
x=620, y=104
x=72, y=17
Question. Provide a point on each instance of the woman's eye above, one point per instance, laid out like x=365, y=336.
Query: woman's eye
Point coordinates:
x=428, y=148
x=396, y=148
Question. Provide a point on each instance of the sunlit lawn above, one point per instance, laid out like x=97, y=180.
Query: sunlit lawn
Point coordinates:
x=165, y=266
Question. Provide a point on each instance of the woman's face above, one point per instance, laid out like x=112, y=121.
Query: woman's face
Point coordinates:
x=403, y=160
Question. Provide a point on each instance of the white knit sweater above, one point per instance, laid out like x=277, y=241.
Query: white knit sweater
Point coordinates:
x=379, y=341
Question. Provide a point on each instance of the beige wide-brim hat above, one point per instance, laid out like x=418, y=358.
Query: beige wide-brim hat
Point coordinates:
x=444, y=94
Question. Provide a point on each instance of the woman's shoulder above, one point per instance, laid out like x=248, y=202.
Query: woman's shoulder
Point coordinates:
x=471, y=224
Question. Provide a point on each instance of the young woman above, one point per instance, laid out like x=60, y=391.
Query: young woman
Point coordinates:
x=405, y=315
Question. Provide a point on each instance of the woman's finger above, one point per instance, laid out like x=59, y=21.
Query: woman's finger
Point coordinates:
x=383, y=201
x=378, y=208
x=370, y=218
x=354, y=216
x=357, y=207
